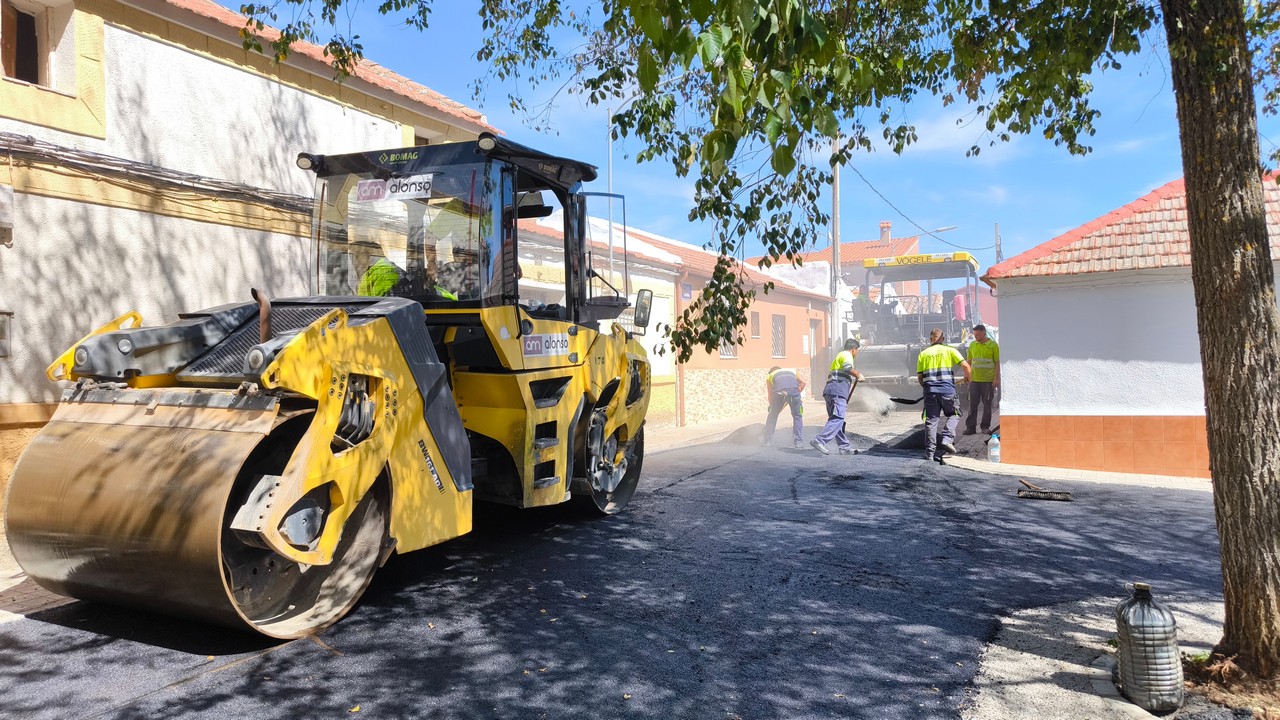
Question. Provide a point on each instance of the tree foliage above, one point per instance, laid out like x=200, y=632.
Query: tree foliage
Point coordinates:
x=758, y=100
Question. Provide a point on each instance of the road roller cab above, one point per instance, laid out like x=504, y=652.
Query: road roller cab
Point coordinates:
x=552, y=394
x=254, y=463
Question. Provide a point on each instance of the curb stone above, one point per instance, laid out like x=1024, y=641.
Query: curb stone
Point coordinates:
x=1100, y=678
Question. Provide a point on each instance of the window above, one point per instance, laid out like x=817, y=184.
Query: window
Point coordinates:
x=755, y=324
x=728, y=349
x=686, y=291
x=19, y=44
x=51, y=66
x=779, y=336
x=37, y=42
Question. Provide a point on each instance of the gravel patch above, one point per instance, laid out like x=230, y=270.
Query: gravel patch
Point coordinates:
x=1043, y=662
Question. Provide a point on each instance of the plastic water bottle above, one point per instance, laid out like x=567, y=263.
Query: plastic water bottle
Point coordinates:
x=993, y=448
x=1148, y=663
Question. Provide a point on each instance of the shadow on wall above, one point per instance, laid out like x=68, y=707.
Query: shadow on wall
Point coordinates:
x=76, y=265
x=1151, y=318
x=257, y=126
x=102, y=262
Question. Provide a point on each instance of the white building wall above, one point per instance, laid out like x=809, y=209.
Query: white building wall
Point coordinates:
x=93, y=264
x=1100, y=344
x=171, y=107
x=74, y=266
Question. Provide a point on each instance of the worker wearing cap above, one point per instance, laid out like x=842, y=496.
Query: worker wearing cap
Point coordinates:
x=836, y=394
x=935, y=370
x=984, y=357
x=784, y=390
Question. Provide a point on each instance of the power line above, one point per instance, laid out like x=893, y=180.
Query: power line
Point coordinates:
x=906, y=217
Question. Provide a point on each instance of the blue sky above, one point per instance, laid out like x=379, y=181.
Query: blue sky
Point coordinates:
x=1032, y=189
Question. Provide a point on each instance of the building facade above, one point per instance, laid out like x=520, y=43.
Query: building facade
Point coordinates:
x=1100, y=347
x=147, y=162
x=786, y=327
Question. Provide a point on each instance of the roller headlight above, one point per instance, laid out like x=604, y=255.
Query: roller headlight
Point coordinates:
x=81, y=356
x=256, y=359
x=125, y=346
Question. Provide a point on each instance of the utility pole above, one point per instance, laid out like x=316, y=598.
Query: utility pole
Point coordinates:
x=999, y=254
x=836, y=339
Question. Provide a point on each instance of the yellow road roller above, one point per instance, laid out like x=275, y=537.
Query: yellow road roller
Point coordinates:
x=253, y=464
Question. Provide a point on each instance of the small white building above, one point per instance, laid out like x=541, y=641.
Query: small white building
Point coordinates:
x=1100, y=351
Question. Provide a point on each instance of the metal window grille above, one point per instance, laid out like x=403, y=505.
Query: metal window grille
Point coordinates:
x=755, y=324
x=779, y=336
x=728, y=349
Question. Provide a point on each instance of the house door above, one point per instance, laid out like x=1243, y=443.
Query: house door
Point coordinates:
x=819, y=359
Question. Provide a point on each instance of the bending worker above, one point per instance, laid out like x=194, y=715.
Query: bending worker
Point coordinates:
x=784, y=390
x=935, y=371
x=836, y=392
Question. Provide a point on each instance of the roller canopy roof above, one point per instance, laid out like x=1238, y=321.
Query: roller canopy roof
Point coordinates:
x=935, y=266
x=541, y=170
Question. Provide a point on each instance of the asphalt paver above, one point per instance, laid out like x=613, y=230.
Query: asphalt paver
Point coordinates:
x=742, y=582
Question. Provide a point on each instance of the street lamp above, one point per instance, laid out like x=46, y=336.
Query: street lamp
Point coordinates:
x=614, y=111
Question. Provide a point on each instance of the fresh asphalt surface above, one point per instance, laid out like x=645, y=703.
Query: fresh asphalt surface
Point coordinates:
x=740, y=583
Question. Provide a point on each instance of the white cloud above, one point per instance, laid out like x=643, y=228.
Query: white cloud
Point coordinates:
x=953, y=133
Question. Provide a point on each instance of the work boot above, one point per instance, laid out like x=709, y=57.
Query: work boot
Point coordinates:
x=846, y=451
x=799, y=445
x=820, y=447
x=971, y=431
x=948, y=448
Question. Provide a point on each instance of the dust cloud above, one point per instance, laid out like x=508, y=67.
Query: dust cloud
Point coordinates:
x=872, y=400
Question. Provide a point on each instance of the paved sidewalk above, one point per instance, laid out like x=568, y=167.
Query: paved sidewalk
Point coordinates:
x=1036, y=472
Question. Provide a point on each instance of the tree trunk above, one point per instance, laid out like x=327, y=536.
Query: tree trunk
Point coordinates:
x=1236, y=310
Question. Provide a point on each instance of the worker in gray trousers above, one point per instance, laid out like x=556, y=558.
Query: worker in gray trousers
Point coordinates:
x=836, y=393
x=783, y=389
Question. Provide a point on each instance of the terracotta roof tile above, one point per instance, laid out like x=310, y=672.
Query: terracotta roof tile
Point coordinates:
x=691, y=258
x=703, y=262
x=367, y=70
x=1150, y=232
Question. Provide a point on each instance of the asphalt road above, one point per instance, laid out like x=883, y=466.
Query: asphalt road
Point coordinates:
x=741, y=583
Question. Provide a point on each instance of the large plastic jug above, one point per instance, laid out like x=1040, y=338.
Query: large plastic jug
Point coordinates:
x=993, y=448
x=1148, y=662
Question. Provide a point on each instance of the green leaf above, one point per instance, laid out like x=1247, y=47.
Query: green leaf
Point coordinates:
x=649, y=19
x=647, y=71
x=710, y=46
x=825, y=121
x=784, y=159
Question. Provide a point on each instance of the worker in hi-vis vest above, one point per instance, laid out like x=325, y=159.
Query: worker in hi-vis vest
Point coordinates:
x=784, y=388
x=836, y=394
x=984, y=358
x=935, y=371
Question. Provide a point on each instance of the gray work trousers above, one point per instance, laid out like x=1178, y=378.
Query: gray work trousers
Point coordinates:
x=939, y=407
x=984, y=394
x=778, y=401
x=836, y=393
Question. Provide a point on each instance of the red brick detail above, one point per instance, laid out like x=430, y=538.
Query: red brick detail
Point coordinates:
x=1152, y=445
